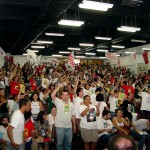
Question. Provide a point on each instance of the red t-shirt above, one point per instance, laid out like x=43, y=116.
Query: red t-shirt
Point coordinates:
x=128, y=89
x=29, y=126
x=14, y=88
x=34, y=84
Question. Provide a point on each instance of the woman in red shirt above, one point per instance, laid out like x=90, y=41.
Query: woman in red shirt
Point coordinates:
x=15, y=86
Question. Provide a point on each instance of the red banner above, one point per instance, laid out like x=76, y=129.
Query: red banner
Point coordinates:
x=145, y=57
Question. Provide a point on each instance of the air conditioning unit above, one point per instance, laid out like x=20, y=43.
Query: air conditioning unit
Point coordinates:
x=132, y=3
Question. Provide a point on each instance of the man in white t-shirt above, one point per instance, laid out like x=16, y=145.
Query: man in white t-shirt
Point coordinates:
x=142, y=124
x=93, y=96
x=65, y=116
x=104, y=127
x=4, y=140
x=16, y=127
x=145, y=105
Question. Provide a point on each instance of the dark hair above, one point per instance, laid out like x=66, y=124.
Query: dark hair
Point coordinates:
x=99, y=97
x=105, y=112
x=31, y=97
x=27, y=115
x=98, y=90
x=116, y=110
x=2, y=117
x=78, y=91
x=85, y=97
x=22, y=102
x=65, y=90
x=114, y=143
x=40, y=117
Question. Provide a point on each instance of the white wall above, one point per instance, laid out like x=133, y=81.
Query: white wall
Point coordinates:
x=128, y=61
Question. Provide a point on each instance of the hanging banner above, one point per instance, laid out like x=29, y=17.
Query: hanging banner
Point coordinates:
x=145, y=57
x=111, y=56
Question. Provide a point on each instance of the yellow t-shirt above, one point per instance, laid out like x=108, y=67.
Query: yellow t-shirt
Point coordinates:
x=22, y=88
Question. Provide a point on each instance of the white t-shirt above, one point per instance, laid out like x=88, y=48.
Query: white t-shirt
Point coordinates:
x=145, y=105
x=17, y=121
x=77, y=102
x=92, y=89
x=93, y=98
x=11, y=105
x=50, y=120
x=141, y=124
x=89, y=120
x=3, y=130
x=113, y=103
x=86, y=92
x=64, y=113
x=104, y=124
x=101, y=108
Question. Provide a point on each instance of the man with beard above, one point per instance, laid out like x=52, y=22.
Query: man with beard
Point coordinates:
x=3, y=131
x=16, y=127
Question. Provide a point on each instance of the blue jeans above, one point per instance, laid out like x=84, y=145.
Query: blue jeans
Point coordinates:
x=139, y=138
x=10, y=147
x=105, y=138
x=112, y=114
x=64, y=138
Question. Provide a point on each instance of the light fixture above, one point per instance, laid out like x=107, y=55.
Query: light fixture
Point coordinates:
x=63, y=52
x=35, y=51
x=57, y=55
x=102, y=50
x=36, y=43
x=125, y=30
x=75, y=23
x=128, y=29
x=118, y=46
x=34, y=46
x=24, y=54
x=80, y=56
x=103, y=57
x=128, y=52
x=138, y=41
x=73, y=48
x=54, y=34
x=99, y=6
x=44, y=42
x=86, y=44
x=90, y=53
x=146, y=49
x=103, y=38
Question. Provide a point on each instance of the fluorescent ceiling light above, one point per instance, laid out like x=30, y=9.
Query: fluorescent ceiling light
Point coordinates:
x=118, y=46
x=128, y=29
x=131, y=28
x=100, y=6
x=35, y=43
x=75, y=23
x=90, y=53
x=103, y=57
x=147, y=49
x=74, y=48
x=63, y=52
x=125, y=30
x=44, y=42
x=54, y=34
x=36, y=51
x=103, y=38
x=138, y=41
x=102, y=50
x=86, y=44
x=57, y=55
x=128, y=52
x=24, y=54
x=33, y=46
x=80, y=56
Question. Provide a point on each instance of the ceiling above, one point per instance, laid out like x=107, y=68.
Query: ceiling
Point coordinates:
x=23, y=22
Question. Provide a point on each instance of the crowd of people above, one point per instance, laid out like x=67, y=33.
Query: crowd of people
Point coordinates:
x=44, y=107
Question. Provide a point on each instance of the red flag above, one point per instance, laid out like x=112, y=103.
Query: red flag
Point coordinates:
x=71, y=62
x=145, y=57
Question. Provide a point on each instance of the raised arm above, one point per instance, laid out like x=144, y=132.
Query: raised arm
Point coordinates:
x=75, y=88
x=53, y=95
